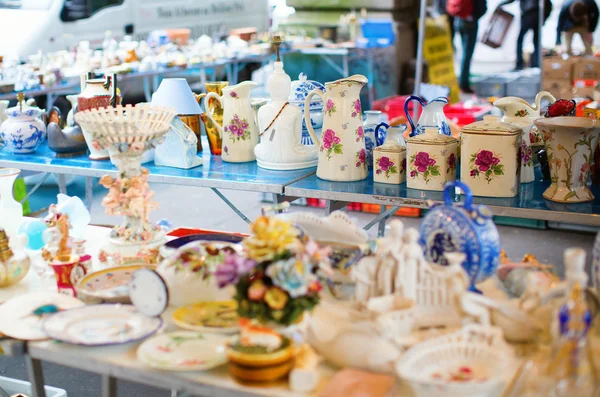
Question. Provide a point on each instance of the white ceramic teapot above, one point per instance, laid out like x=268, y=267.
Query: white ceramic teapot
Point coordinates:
x=280, y=124
x=521, y=114
x=23, y=131
x=239, y=131
x=342, y=152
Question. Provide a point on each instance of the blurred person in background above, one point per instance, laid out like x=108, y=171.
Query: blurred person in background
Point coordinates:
x=530, y=13
x=441, y=9
x=577, y=16
x=467, y=27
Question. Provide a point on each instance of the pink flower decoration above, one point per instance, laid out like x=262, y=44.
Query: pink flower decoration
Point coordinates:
x=422, y=161
x=485, y=159
x=329, y=139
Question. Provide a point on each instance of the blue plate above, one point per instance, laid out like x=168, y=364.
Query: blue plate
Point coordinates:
x=225, y=238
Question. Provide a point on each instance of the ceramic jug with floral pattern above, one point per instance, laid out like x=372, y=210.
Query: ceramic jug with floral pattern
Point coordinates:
x=239, y=130
x=342, y=153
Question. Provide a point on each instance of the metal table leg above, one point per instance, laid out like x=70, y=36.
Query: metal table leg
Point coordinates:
x=381, y=219
x=109, y=386
x=231, y=205
x=62, y=183
x=36, y=187
x=334, y=205
x=35, y=375
x=89, y=192
x=147, y=89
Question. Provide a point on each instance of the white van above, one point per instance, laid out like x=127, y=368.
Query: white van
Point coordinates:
x=50, y=25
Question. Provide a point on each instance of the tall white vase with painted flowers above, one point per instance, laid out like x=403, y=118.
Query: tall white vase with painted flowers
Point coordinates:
x=342, y=153
x=11, y=211
x=239, y=131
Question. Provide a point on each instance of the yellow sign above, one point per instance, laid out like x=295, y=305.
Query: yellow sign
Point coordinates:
x=439, y=54
x=591, y=113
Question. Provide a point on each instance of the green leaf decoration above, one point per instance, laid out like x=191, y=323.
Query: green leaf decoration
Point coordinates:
x=498, y=171
x=337, y=149
x=435, y=171
x=488, y=173
x=426, y=174
x=570, y=195
x=393, y=169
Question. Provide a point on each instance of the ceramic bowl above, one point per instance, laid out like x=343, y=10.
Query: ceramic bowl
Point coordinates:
x=460, y=364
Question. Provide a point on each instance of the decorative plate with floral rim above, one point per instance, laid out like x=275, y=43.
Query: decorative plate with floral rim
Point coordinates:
x=214, y=317
x=101, y=325
x=184, y=351
x=108, y=285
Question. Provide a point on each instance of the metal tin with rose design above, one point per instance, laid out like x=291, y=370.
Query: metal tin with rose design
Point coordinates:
x=469, y=229
x=431, y=160
x=491, y=157
x=389, y=159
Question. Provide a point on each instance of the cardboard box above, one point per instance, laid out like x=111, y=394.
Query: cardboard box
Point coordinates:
x=587, y=69
x=583, y=92
x=557, y=68
x=556, y=84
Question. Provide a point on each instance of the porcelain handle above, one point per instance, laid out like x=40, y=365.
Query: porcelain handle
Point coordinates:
x=380, y=138
x=209, y=113
x=449, y=194
x=541, y=95
x=309, y=126
x=407, y=113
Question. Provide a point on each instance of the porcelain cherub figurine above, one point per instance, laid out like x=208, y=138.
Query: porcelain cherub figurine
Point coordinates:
x=57, y=236
x=280, y=127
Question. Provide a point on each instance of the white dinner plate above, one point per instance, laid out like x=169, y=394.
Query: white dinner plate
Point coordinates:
x=101, y=325
x=184, y=351
x=18, y=318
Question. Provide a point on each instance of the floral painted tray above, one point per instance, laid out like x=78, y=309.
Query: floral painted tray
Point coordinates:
x=214, y=317
x=108, y=285
x=184, y=351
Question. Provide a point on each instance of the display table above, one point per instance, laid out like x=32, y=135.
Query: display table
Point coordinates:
x=120, y=362
x=527, y=204
x=214, y=173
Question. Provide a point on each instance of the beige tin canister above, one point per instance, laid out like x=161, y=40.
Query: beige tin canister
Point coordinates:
x=490, y=157
x=431, y=160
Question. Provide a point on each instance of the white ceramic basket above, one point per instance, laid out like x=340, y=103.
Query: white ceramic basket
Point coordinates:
x=476, y=347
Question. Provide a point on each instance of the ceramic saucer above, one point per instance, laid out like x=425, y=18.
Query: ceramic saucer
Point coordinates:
x=149, y=292
x=108, y=285
x=101, y=325
x=213, y=317
x=22, y=317
x=184, y=351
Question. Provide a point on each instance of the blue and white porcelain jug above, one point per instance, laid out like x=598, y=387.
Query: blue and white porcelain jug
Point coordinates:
x=432, y=117
x=468, y=229
x=23, y=131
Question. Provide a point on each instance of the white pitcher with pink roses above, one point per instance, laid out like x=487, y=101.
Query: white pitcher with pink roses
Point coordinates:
x=342, y=154
x=239, y=131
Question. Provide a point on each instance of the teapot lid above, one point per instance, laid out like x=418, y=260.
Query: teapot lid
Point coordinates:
x=432, y=137
x=302, y=87
x=491, y=125
x=23, y=109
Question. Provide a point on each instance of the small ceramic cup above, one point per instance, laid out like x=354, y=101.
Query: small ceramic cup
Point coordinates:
x=68, y=275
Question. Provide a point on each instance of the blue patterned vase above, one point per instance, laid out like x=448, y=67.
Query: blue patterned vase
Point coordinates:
x=469, y=229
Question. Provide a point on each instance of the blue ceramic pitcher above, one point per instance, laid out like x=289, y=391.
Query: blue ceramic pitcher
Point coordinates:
x=432, y=116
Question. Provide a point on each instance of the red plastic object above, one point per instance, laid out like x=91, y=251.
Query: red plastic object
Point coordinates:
x=395, y=107
x=462, y=115
x=183, y=231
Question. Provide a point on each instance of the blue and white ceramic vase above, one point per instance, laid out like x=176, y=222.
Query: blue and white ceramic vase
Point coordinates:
x=23, y=131
x=371, y=122
x=299, y=92
x=433, y=116
x=468, y=229
x=596, y=264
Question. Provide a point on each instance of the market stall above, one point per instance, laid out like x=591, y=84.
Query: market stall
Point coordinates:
x=304, y=304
